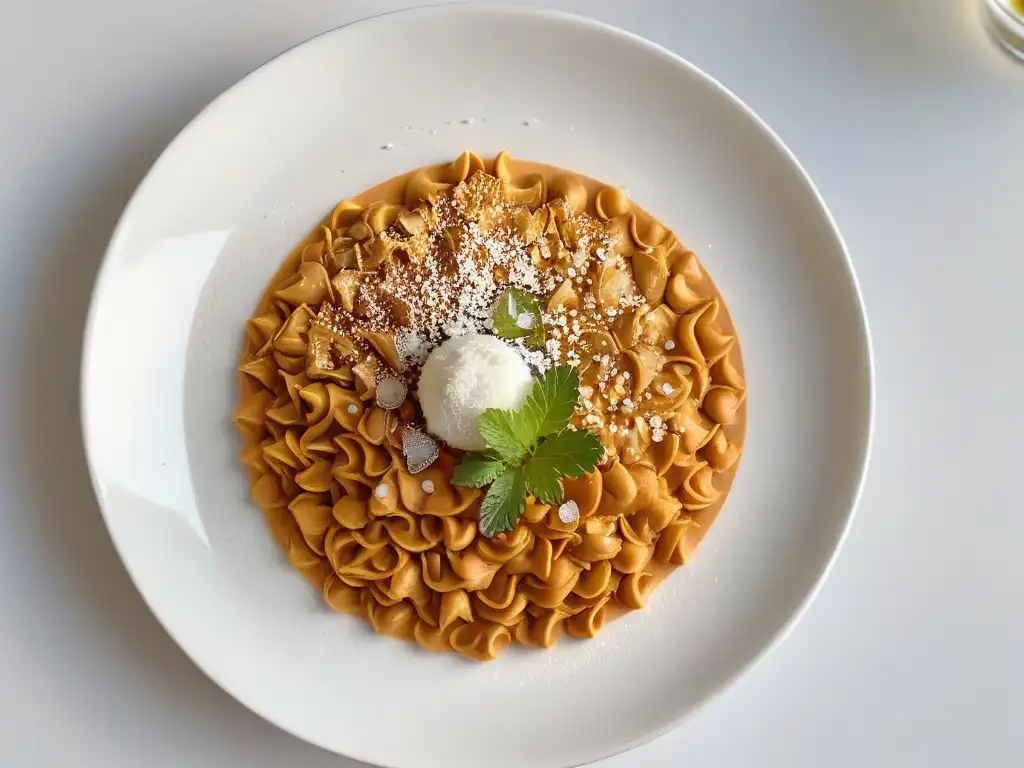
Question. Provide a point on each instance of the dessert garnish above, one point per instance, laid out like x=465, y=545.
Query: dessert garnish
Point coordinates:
x=569, y=512
x=419, y=449
x=465, y=376
x=391, y=393
x=529, y=450
x=517, y=316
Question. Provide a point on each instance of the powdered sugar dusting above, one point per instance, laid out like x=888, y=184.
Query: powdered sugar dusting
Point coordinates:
x=412, y=348
x=443, y=282
x=442, y=267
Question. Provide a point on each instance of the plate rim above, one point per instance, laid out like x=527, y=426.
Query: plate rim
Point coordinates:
x=652, y=47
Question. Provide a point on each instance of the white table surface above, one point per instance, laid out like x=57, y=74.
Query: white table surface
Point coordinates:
x=912, y=124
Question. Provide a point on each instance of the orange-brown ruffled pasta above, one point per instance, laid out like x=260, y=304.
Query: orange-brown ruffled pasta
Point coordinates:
x=403, y=550
x=589, y=621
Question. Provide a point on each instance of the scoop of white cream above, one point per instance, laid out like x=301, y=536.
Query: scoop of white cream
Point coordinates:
x=464, y=377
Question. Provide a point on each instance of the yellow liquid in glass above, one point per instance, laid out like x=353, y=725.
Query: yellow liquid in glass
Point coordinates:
x=1018, y=6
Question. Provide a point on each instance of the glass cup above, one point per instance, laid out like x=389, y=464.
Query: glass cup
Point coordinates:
x=1006, y=20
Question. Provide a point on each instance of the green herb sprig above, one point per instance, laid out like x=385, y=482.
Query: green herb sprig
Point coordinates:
x=529, y=450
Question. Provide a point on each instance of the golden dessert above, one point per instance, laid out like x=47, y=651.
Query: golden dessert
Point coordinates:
x=489, y=402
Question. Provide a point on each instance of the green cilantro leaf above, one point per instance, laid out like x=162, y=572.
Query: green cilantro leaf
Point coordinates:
x=504, y=503
x=477, y=470
x=538, y=434
x=544, y=481
x=566, y=454
x=516, y=315
x=553, y=400
x=505, y=434
x=570, y=453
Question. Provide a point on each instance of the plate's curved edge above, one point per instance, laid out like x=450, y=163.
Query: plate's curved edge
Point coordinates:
x=90, y=321
x=464, y=7
x=869, y=364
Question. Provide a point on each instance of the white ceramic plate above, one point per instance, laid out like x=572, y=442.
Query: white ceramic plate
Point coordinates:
x=258, y=168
